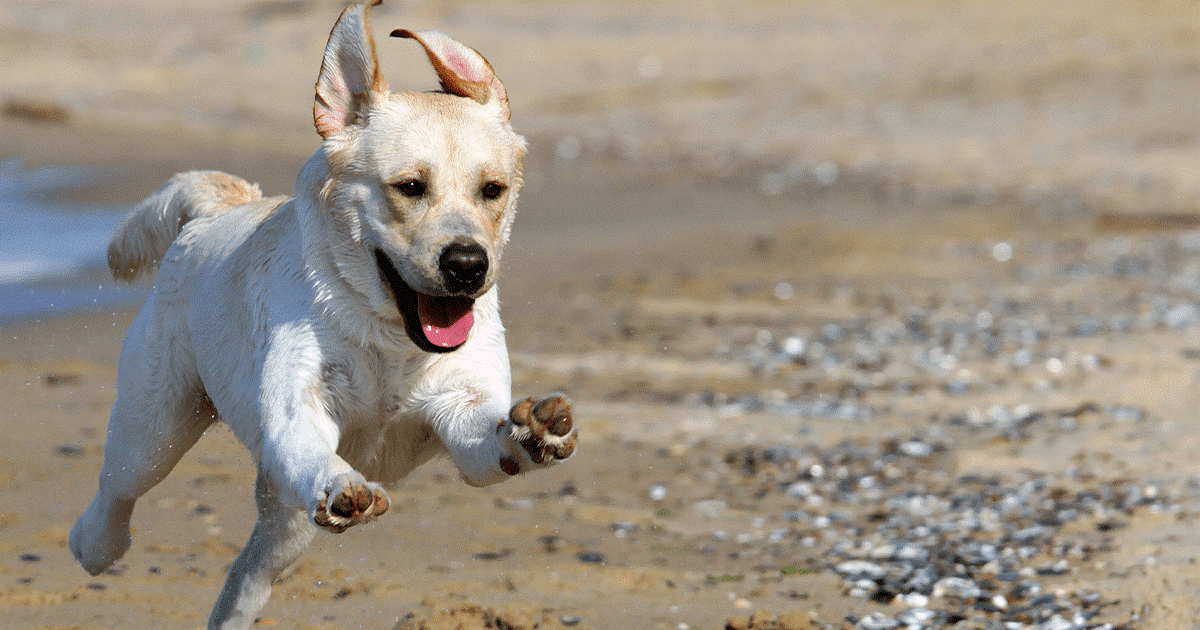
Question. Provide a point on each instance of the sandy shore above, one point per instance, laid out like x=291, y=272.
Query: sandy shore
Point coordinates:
x=776, y=228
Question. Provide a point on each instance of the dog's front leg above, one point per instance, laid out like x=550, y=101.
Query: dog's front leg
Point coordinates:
x=466, y=400
x=299, y=437
x=293, y=430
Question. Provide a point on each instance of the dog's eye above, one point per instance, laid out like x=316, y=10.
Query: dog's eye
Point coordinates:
x=410, y=188
x=492, y=190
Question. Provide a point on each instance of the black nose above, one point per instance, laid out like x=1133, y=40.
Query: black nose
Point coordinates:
x=464, y=265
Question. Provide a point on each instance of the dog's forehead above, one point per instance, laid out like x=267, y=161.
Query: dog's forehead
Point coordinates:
x=440, y=128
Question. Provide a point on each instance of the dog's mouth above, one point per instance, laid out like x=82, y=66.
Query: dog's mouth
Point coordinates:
x=434, y=323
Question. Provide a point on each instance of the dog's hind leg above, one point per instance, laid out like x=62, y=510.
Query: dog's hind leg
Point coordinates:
x=160, y=412
x=279, y=537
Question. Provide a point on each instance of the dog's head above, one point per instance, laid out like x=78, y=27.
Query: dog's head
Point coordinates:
x=421, y=187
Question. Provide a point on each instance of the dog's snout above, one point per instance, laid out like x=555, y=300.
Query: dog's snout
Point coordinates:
x=463, y=264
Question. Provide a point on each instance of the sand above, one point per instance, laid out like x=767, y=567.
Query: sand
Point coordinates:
x=687, y=161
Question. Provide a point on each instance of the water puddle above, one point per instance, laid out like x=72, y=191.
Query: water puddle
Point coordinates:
x=52, y=250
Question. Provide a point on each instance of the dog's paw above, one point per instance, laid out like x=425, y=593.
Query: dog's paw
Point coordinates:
x=544, y=428
x=349, y=500
x=101, y=536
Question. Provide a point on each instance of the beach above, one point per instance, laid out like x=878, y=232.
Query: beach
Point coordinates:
x=875, y=314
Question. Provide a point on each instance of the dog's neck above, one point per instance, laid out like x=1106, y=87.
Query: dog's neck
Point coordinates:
x=340, y=268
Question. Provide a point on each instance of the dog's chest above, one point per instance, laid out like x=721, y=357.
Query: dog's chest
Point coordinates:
x=366, y=387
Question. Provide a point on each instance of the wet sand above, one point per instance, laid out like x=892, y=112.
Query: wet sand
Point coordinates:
x=918, y=243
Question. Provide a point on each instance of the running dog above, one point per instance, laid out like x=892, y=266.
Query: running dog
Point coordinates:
x=346, y=335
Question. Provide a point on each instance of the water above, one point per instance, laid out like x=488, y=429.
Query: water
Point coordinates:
x=52, y=252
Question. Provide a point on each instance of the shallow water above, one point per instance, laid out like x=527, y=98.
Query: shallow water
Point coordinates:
x=52, y=255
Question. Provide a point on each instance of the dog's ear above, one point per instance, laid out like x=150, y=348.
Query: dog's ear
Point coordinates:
x=461, y=69
x=350, y=74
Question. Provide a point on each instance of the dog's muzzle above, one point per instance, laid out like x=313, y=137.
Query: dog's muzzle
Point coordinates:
x=464, y=266
x=434, y=323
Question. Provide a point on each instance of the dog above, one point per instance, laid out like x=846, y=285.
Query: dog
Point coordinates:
x=346, y=335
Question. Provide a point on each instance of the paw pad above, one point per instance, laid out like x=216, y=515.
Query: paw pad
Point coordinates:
x=544, y=428
x=354, y=504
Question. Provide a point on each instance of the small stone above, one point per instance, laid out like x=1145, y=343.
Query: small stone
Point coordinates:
x=860, y=569
x=799, y=489
x=623, y=528
x=492, y=555
x=913, y=600
x=877, y=621
x=61, y=380
x=863, y=588
x=1057, y=568
x=914, y=448
x=69, y=450
x=918, y=617
x=712, y=508
x=591, y=557
x=784, y=291
x=1056, y=622
x=961, y=588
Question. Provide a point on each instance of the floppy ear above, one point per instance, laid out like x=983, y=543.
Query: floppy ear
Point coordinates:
x=349, y=72
x=461, y=69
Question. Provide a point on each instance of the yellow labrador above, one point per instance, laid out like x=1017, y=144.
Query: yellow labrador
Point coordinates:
x=346, y=335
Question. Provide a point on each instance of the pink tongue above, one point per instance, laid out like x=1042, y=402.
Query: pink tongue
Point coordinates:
x=446, y=321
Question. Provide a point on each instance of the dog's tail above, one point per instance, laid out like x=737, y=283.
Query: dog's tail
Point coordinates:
x=140, y=242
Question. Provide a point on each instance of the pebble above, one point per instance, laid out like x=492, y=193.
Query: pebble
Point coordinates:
x=69, y=450
x=852, y=569
x=961, y=588
x=1056, y=622
x=712, y=508
x=877, y=621
x=916, y=617
x=914, y=600
x=591, y=557
x=916, y=448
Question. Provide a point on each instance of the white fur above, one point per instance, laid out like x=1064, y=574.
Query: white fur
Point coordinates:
x=272, y=315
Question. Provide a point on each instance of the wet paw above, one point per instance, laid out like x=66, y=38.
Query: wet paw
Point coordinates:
x=350, y=500
x=544, y=428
